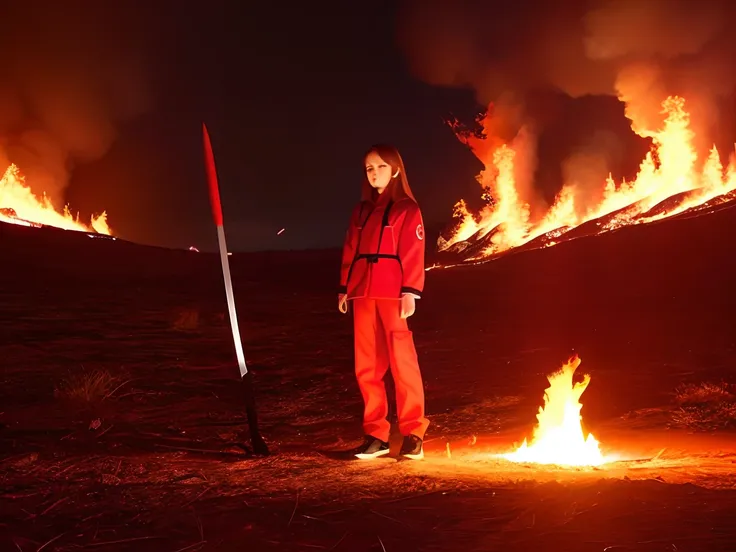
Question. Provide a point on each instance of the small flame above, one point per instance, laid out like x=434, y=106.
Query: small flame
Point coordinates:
x=558, y=437
x=18, y=205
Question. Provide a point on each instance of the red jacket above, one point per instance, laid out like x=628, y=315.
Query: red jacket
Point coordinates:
x=383, y=254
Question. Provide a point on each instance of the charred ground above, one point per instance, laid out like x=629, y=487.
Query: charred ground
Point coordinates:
x=117, y=361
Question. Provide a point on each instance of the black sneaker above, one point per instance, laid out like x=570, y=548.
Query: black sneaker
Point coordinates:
x=372, y=448
x=412, y=448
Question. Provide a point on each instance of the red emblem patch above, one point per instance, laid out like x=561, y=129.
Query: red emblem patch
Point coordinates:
x=420, y=232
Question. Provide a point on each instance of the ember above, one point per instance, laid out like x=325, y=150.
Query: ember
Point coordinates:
x=558, y=437
x=670, y=181
x=19, y=205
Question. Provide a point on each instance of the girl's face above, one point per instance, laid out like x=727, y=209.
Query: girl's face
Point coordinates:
x=378, y=171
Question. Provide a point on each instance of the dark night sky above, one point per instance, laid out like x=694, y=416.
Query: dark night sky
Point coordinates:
x=292, y=97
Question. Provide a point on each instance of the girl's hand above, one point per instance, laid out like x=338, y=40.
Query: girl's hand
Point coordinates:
x=408, y=305
x=342, y=303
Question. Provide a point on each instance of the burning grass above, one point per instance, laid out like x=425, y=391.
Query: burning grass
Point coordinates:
x=705, y=406
x=20, y=205
x=670, y=181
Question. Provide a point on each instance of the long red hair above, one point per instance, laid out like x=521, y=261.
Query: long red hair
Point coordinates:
x=398, y=186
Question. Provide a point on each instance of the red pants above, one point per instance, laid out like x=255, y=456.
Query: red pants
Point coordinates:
x=383, y=339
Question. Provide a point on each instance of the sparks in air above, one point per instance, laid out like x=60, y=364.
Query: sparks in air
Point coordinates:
x=671, y=180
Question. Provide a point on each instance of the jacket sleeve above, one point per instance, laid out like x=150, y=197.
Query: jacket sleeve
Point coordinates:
x=411, y=251
x=349, y=247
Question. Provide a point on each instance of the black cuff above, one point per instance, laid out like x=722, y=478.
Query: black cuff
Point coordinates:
x=342, y=289
x=411, y=290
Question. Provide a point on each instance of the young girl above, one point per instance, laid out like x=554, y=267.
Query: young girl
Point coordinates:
x=382, y=274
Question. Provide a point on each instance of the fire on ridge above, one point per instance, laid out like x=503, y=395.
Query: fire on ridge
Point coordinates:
x=19, y=205
x=671, y=180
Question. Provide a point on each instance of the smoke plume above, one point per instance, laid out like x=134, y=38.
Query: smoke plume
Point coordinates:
x=70, y=77
x=638, y=51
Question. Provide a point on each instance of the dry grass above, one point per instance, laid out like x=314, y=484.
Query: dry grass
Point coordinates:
x=89, y=385
x=705, y=406
x=700, y=393
x=484, y=415
x=186, y=320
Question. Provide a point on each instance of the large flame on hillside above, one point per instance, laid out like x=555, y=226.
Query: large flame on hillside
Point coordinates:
x=558, y=437
x=671, y=180
x=19, y=205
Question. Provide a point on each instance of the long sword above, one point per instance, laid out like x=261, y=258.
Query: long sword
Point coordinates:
x=246, y=377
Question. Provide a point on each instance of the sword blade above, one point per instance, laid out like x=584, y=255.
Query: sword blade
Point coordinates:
x=219, y=223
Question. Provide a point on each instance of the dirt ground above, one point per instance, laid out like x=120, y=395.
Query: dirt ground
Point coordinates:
x=122, y=419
